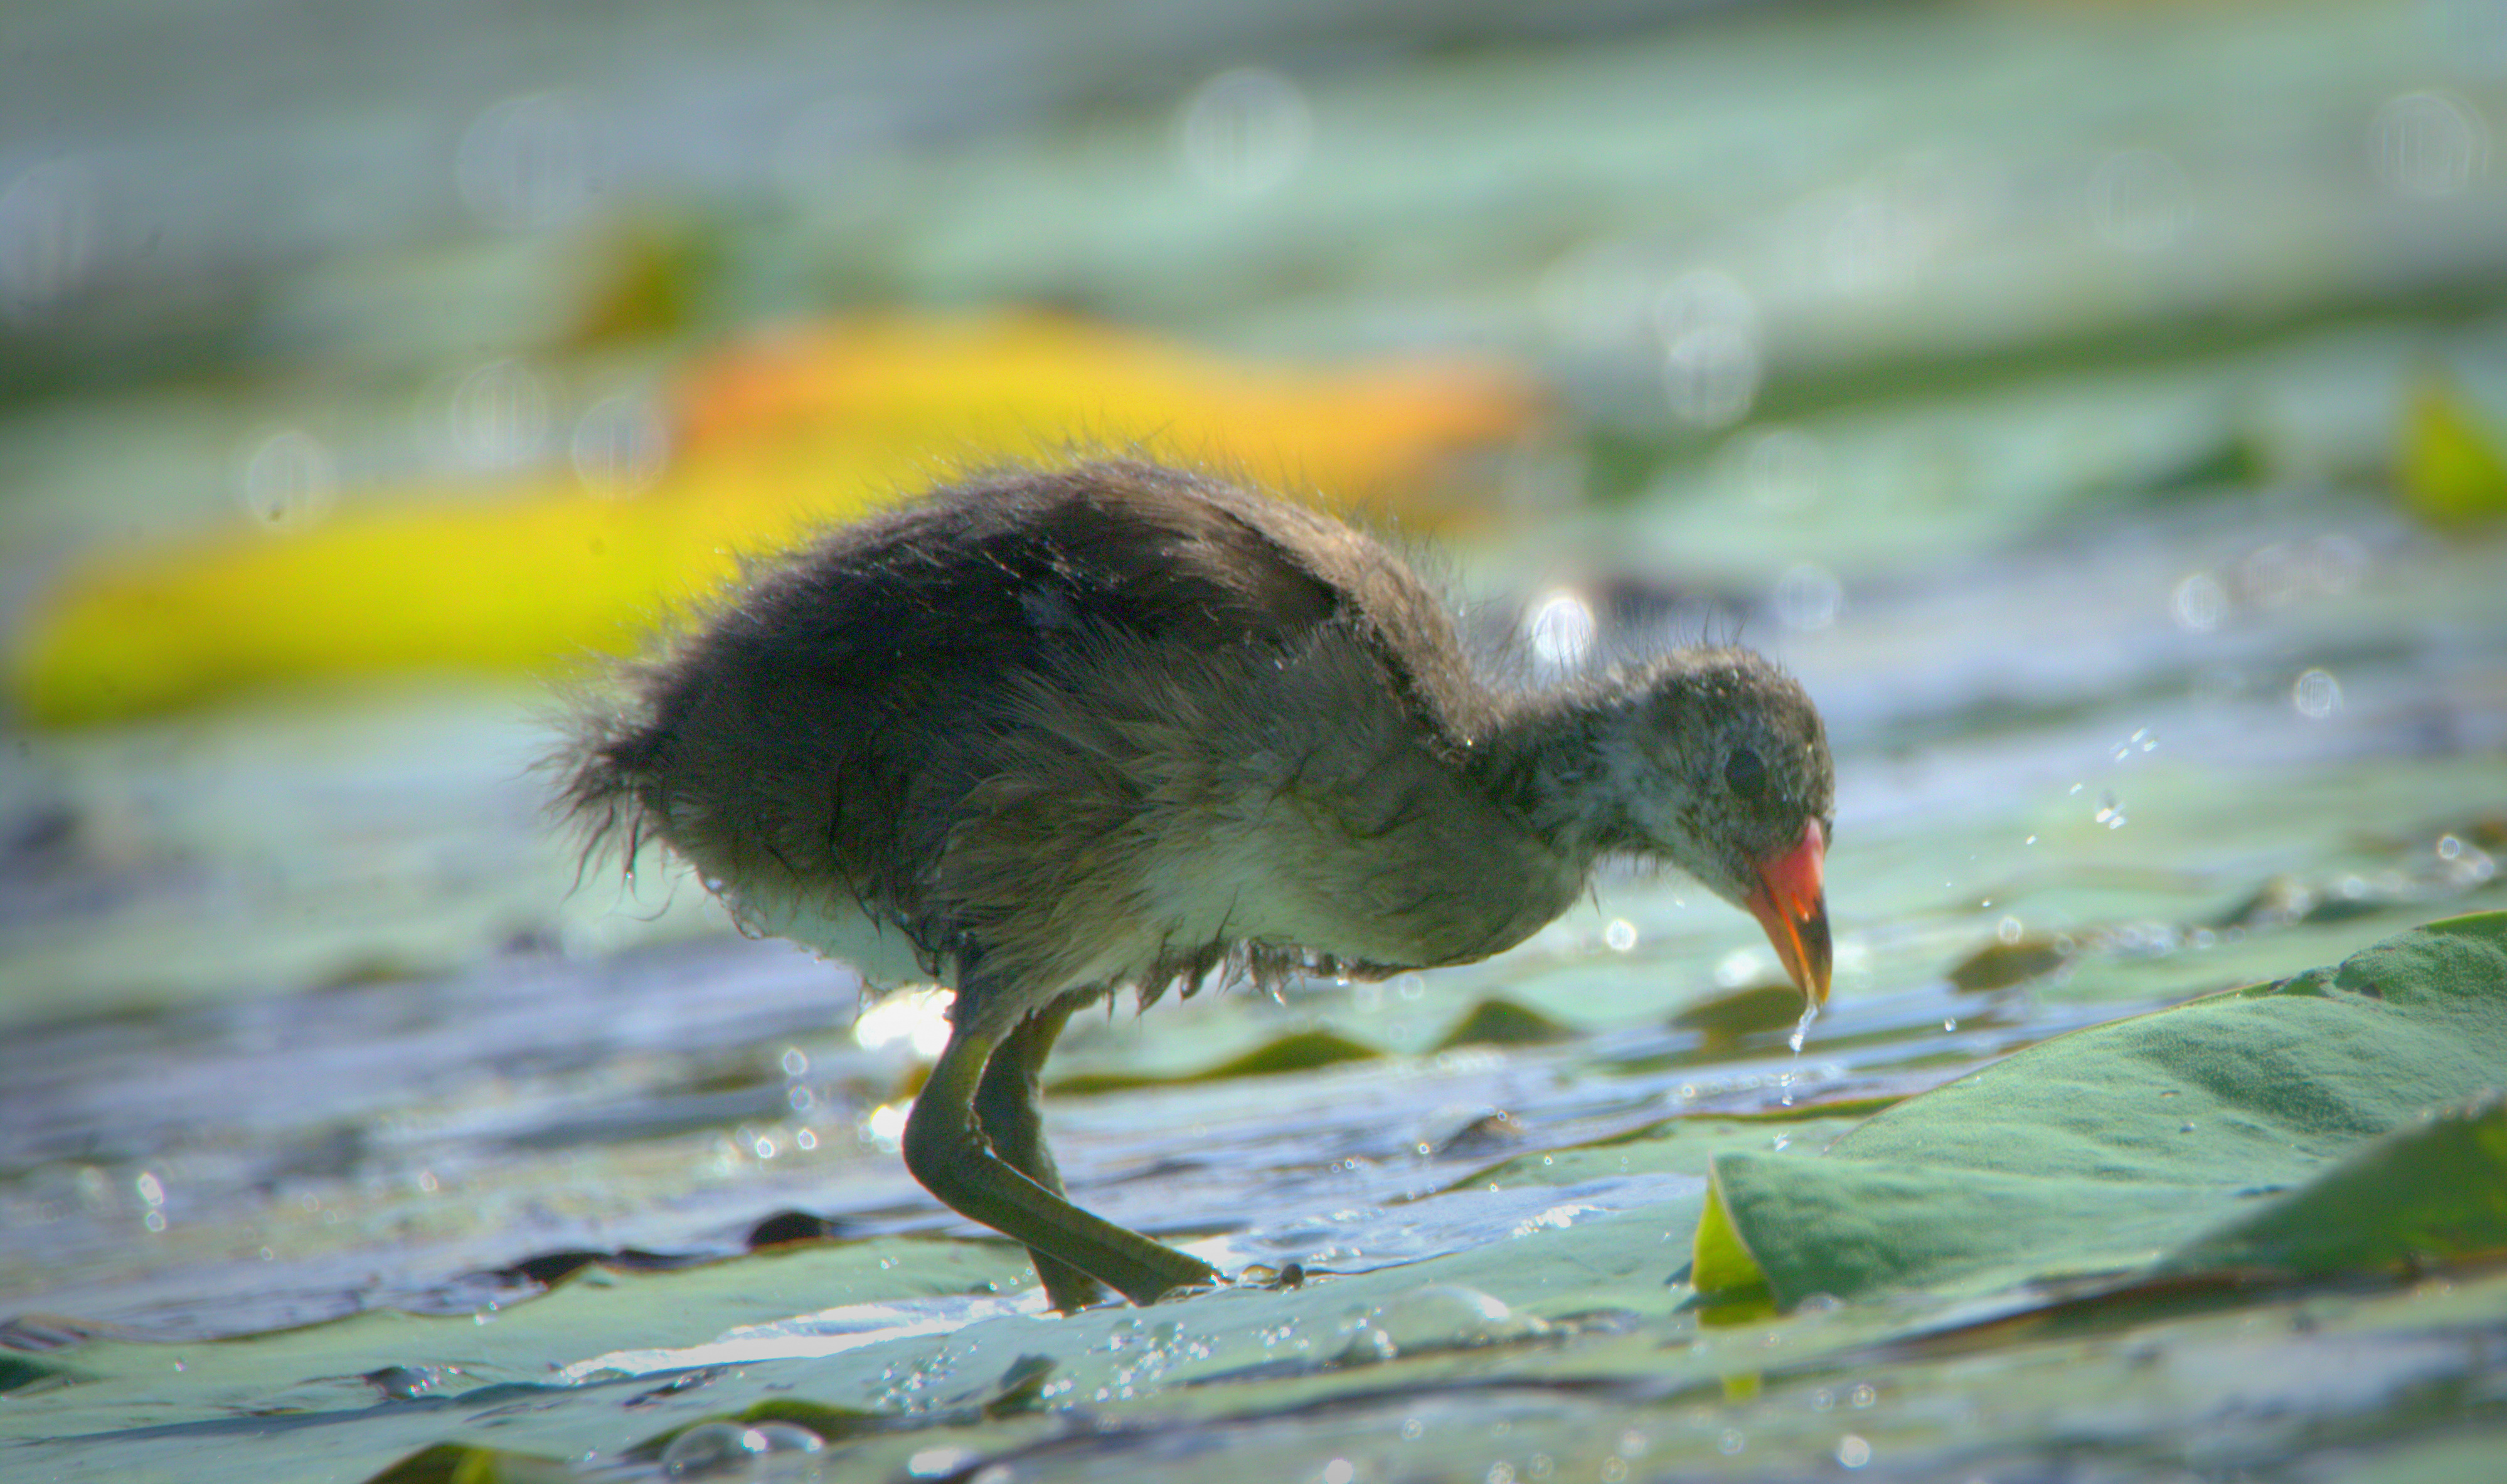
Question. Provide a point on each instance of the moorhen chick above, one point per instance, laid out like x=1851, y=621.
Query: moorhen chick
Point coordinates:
x=1050, y=734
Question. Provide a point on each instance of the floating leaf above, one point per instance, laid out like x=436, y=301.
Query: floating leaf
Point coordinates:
x=1496, y=1021
x=775, y=440
x=1760, y=1007
x=464, y=1464
x=2450, y=470
x=1297, y=1051
x=2432, y=1193
x=2112, y=1147
x=2000, y=965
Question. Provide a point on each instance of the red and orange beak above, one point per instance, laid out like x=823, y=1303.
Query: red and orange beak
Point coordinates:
x=1792, y=905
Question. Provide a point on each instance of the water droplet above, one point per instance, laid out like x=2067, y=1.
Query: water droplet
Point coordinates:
x=1738, y=968
x=1620, y=935
x=711, y=1448
x=287, y=480
x=1245, y=132
x=521, y=164
x=620, y=444
x=940, y=1463
x=1731, y=1441
x=1863, y=1395
x=916, y=1019
x=1808, y=597
x=1709, y=329
x=1853, y=1452
x=2428, y=145
x=886, y=1125
x=499, y=417
x=1560, y=627
x=2316, y=695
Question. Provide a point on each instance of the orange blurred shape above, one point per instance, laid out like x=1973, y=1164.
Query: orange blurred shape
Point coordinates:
x=774, y=437
x=1047, y=386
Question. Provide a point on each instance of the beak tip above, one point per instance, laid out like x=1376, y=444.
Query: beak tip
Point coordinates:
x=1792, y=904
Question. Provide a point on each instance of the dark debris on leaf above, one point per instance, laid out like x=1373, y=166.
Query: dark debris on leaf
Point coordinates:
x=2000, y=965
x=790, y=1226
x=1021, y=1389
x=1484, y=1135
x=549, y=1269
x=1751, y=1012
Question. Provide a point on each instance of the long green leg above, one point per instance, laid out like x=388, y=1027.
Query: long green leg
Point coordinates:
x=1006, y=1107
x=946, y=1149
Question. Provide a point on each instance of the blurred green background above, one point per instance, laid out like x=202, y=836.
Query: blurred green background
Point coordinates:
x=2099, y=406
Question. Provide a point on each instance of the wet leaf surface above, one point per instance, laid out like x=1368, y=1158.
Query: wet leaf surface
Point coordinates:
x=2114, y=1145
x=2086, y=476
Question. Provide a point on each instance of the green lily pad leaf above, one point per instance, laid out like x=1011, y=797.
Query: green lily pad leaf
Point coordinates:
x=2434, y=1193
x=2000, y=965
x=1496, y=1022
x=829, y=1423
x=2112, y=1148
x=1298, y=1051
x=463, y=1463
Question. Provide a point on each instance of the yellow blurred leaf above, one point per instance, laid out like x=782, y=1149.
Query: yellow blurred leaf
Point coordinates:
x=776, y=438
x=2450, y=470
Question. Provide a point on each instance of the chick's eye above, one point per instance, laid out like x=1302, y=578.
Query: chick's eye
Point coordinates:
x=1745, y=775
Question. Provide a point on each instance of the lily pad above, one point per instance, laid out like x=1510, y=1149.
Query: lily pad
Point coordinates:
x=2450, y=469
x=2000, y=965
x=2144, y=1142
x=1498, y=1022
x=1760, y=1007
